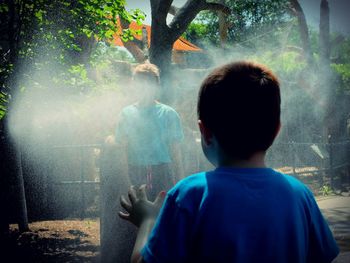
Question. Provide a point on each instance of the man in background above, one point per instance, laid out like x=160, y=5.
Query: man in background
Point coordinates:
x=151, y=133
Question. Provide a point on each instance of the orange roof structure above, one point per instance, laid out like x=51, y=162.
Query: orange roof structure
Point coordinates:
x=180, y=44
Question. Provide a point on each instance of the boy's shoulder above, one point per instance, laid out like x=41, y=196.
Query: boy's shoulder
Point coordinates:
x=194, y=181
x=299, y=190
x=197, y=184
x=165, y=108
x=191, y=187
x=160, y=107
x=129, y=109
x=295, y=183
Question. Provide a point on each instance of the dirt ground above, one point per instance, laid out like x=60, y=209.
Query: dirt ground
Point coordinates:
x=54, y=241
x=79, y=240
x=71, y=241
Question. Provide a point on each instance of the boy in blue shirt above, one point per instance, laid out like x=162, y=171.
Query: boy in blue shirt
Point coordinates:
x=151, y=133
x=242, y=211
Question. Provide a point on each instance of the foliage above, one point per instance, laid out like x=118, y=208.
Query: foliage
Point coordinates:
x=287, y=64
x=326, y=190
x=104, y=60
x=3, y=102
x=266, y=31
x=248, y=19
x=51, y=42
x=343, y=70
x=105, y=54
x=203, y=31
x=341, y=65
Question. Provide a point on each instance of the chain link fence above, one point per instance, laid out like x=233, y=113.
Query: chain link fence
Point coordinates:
x=324, y=167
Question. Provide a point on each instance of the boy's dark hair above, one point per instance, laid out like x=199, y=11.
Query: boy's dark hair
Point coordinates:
x=240, y=103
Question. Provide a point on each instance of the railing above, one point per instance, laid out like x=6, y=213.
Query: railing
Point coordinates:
x=329, y=162
x=82, y=182
x=318, y=162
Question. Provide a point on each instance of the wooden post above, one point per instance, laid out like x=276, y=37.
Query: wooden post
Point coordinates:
x=347, y=145
x=82, y=188
x=331, y=170
x=223, y=26
x=292, y=143
x=22, y=204
x=4, y=182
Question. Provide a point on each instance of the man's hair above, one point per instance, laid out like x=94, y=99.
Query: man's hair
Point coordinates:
x=147, y=70
x=240, y=103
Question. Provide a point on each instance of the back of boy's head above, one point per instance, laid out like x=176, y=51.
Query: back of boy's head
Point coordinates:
x=240, y=103
x=147, y=71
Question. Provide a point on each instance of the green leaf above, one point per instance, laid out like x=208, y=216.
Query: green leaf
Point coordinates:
x=4, y=8
x=39, y=15
x=109, y=33
x=87, y=32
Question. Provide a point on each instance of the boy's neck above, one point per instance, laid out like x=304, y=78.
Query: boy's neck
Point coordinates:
x=257, y=160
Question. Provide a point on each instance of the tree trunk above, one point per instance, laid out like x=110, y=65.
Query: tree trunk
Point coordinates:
x=304, y=31
x=329, y=93
x=13, y=183
x=4, y=183
x=12, y=150
x=160, y=54
x=223, y=26
x=22, y=203
x=163, y=35
x=324, y=34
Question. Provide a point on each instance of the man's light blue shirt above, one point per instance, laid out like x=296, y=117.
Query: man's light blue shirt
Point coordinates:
x=149, y=132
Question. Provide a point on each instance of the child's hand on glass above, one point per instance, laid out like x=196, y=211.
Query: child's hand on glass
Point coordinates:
x=139, y=208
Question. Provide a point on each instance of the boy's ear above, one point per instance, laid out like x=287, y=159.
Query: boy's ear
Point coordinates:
x=207, y=134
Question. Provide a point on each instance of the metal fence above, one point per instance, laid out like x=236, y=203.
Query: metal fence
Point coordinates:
x=318, y=165
x=80, y=183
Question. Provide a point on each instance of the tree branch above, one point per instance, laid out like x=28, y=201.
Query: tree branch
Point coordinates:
x=324, y=38
x=185, y=15
x=160, y=9
x=173, y=10
x=303, y=29
x=217, y=7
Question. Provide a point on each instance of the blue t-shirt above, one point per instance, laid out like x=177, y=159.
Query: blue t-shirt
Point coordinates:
x=240, y=215
x=149, y=132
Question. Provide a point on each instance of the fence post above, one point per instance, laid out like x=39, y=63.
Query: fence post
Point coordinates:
x=293, y=151
x=82, y=190
x=23, y=217
x=347, y=172
x=331, y=170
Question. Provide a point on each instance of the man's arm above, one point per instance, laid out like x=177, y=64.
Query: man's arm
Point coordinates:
x=142, y=213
